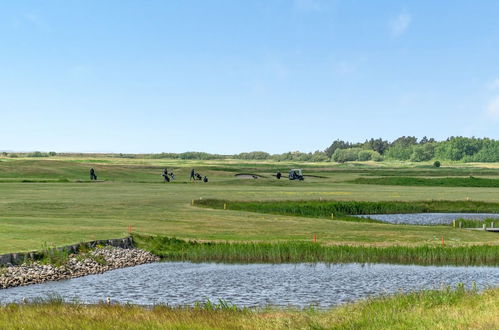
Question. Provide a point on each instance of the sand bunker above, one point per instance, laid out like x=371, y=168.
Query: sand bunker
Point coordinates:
x=247, y=176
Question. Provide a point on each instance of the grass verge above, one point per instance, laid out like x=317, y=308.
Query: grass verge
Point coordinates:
x=295, y=251
x=444, y=309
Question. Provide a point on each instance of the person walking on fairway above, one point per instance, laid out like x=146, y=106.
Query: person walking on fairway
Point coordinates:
x=193, y=175
x=165, y=175
x=92, y=175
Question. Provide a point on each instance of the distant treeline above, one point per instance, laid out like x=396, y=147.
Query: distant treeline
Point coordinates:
x=317, y=156
x=403, y=148
x=409, y=148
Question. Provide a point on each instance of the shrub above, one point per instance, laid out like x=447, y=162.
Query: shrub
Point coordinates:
x=319, y=156
x=254, y=155
x=423, y=152
x=365, y=155
x=37, y=154
x=436, y=164
x=346, y=155
x=399, y=152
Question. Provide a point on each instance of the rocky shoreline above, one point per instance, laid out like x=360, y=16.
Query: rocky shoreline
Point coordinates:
x=97, y=261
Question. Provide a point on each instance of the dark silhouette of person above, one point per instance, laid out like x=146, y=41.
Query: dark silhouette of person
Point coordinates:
x=278, y=175
x=92, y=174
x=193, y=175
x=165, y=175
x=205, y=179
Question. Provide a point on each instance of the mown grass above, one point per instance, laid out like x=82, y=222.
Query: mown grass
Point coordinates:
x=439, y=309
x=293, y=252
x=133, y=193
x=434, y=182
x=342, y=209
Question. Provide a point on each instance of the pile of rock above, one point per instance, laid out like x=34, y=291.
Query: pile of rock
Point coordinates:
x=94, y=262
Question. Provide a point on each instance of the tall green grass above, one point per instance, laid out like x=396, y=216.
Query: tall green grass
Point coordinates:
x=294, y=252
x=437, y=309
x=434, y=182
x=342, y=209
x=470, y=223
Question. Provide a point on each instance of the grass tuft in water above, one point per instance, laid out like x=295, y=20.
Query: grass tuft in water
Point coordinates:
x=296, y=251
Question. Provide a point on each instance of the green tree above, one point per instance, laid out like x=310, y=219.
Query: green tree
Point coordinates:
x=421, y=153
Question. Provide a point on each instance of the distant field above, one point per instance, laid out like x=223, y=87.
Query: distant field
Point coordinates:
x=52, y=201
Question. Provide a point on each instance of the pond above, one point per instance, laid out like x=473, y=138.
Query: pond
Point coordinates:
x=300, y=285
x=428, y=218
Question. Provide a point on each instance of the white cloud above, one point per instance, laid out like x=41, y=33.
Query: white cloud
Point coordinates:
x=493, y=108
x=494, y=84
x=400, y=24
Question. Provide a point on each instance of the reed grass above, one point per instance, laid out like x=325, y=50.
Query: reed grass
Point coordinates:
x=342, y=209
x=297, y=251
x=436, y=309
x=471, y=223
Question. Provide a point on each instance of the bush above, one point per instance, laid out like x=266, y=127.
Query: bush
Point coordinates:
x=376, y=156
x=254, y=155
x=37, y=154
x=346, y=155
x=365, y=155
x=399, y=152
x=319, y=156
x=436, y=164
x=423, y=152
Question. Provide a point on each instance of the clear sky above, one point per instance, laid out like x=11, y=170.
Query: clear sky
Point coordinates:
x=233, y=76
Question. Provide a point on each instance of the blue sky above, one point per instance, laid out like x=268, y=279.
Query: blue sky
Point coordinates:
x=234, y=76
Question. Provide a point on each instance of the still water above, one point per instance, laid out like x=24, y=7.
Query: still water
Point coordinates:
x=301, y=285
x=429, y=218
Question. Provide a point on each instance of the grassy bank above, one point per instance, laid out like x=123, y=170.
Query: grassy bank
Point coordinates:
x=341, y=209
x=291, y=252
x=60, y=213
x=433, y=182
x=446, y=309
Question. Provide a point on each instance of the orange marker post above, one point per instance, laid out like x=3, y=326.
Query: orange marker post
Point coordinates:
x=315, y=238
x=129, y=229
x=443, y=242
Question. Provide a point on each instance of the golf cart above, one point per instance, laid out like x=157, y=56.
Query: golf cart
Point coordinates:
x=296, y=175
